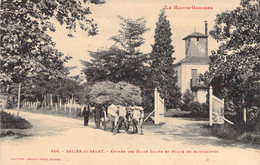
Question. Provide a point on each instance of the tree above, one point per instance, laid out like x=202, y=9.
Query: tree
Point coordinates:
x=234, y=68
x=123, y=62
x=187, y=97
x=162, y=73
x=130, y=36
x=26, y=49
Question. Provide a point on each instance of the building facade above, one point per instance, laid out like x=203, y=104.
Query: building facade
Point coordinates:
x=196, y=62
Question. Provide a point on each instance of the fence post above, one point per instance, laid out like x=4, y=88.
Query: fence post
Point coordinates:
x=19, y=98
x=75, y=107
x=70, y=108
x=56, y=106
x=60, y=104
x=210, y=106
x=244, y=109
x=51, y=102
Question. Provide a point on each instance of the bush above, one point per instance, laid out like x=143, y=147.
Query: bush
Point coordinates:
x=187, y=98
x=226, y=131
x=253, y=113
x=10, y=104
x=249, y=138
x=9, y=121
x=243, y=132
x=183, y=107
x=197, y=110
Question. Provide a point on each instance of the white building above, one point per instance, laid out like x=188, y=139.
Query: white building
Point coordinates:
x=196, y=62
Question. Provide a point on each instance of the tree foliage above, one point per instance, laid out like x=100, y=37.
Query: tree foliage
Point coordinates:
x=26, y=49
x=123, y=62
x=130, y=36
x=234, y=68
x=115, y=65
x=162, y=73
x=187, y=97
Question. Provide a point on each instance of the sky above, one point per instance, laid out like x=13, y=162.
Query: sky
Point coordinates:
x=183, y=22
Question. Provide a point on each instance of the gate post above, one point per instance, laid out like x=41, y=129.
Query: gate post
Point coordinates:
x=210, y=106
x=156, y=112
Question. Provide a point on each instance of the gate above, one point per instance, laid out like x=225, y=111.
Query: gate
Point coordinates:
x=216, y=109
x=159, y=108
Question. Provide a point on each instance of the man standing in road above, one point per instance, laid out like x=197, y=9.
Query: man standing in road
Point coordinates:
x=85, y=114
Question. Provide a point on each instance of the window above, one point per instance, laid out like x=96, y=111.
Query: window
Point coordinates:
x=195, y=95
x=194, y=74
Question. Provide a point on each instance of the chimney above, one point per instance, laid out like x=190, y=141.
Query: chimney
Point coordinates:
x=206, y=33
x=206, y=27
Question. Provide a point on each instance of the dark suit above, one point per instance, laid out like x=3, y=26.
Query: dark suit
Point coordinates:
x=85, y=114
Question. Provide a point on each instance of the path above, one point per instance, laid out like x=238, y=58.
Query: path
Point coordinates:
x=75, y=144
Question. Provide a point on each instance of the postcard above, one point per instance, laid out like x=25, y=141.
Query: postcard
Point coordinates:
x=158, y=135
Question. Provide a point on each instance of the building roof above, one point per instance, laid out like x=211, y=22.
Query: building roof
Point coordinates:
x=195, y=34
x=201, y=60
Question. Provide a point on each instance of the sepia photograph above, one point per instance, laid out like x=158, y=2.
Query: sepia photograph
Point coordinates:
x=130, y=82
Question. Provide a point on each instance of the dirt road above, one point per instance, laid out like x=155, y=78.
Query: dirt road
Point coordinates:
x=65, y=141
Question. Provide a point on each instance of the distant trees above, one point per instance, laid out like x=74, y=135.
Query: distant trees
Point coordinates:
x=234, y=68
x=63, y=89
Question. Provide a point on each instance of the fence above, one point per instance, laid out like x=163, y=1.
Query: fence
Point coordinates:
x=70, y=108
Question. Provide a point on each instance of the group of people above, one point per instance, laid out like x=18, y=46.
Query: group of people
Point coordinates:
x=117, y=114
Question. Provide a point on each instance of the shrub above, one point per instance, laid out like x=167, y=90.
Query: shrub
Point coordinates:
x=226, y=131
x=253, y=113
x=187, y=98
x=10, y=104
x=249, y=138
x=13, y=122
x=183, y=107
x=197, y=110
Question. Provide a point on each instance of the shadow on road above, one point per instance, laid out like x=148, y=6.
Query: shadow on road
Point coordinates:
x=194, y=132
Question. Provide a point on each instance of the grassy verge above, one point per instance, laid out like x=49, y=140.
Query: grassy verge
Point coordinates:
x=236, y=133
